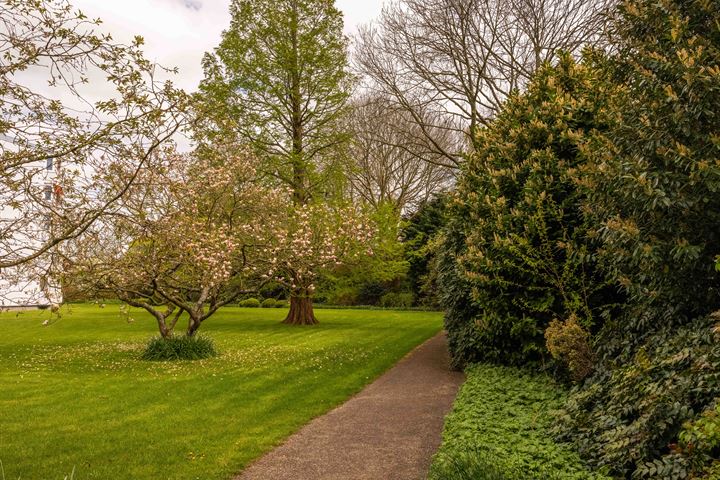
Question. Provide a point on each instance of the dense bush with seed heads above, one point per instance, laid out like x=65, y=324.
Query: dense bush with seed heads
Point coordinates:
x=518, y=240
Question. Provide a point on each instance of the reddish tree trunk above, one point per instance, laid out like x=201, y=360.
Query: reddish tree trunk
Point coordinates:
x=301, y=312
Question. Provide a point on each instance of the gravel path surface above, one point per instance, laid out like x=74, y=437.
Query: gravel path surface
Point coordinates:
x=389, y=431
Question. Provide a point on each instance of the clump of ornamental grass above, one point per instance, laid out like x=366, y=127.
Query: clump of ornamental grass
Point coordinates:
x=179, y=347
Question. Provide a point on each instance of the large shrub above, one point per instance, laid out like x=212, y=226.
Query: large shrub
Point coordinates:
x=464, y=339
x=654, y=179
x=653, y=184
x=517, y=228
x=631, y=419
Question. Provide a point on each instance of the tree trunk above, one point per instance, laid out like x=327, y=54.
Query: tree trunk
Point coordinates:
x=165, y=331
x=301, y=312
x=300, y=192
x=193, y=325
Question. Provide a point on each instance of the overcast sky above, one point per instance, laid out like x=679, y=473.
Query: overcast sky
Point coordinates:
x=178, y=32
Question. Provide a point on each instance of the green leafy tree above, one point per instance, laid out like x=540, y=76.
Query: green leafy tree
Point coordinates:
x=279, y=82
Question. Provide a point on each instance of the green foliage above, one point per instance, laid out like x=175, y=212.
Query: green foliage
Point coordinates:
x=341, y=295
x=654, y=179
x=397, y=300
x=278, y=81
x=569, y=343
x=250, y=303
x=498, y=429
x=465, y=341
x=273, y=290
x=522, y=243
x=481, y=465
x=268, y=303
x=700, y=439
x=605, y=174
x=653, y=182
x=179, y=347
x=419, y=236
x=630, y=418
x=371, y=292
x=469, y=465
x=368, y=278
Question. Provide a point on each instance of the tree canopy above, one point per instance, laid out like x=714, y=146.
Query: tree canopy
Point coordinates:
x=278, y=81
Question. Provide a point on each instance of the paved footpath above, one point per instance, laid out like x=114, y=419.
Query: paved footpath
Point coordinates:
x=390, y=430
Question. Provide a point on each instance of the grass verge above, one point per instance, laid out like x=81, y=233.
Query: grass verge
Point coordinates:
x=497, y=430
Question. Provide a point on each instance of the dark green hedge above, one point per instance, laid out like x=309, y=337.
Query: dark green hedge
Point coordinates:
x=606, y=174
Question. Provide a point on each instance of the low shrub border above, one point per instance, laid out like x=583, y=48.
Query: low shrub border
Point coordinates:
x=268, y=303
x=250, y=303
x=498, y=429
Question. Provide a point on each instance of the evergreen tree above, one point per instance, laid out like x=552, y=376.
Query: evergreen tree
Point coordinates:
x=525, y=256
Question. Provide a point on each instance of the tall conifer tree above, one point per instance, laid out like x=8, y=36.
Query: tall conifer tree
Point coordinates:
x=279, y=82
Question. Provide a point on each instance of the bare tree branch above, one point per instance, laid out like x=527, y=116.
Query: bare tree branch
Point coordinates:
x=450, y=64
x=390, y=159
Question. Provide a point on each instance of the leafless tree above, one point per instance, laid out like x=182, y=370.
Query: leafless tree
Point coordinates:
x=450, y=64
x=391, y=161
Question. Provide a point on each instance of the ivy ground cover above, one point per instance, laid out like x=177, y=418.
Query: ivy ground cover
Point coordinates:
x=499, y=430
x=75, y=395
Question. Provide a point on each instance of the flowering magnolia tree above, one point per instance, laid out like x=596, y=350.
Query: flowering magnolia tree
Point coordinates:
x=199, y=233
x=314, y=237
x=80, y=118
x=191, y=238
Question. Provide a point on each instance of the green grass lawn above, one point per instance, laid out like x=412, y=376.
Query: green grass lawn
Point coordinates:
x=75, y=395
